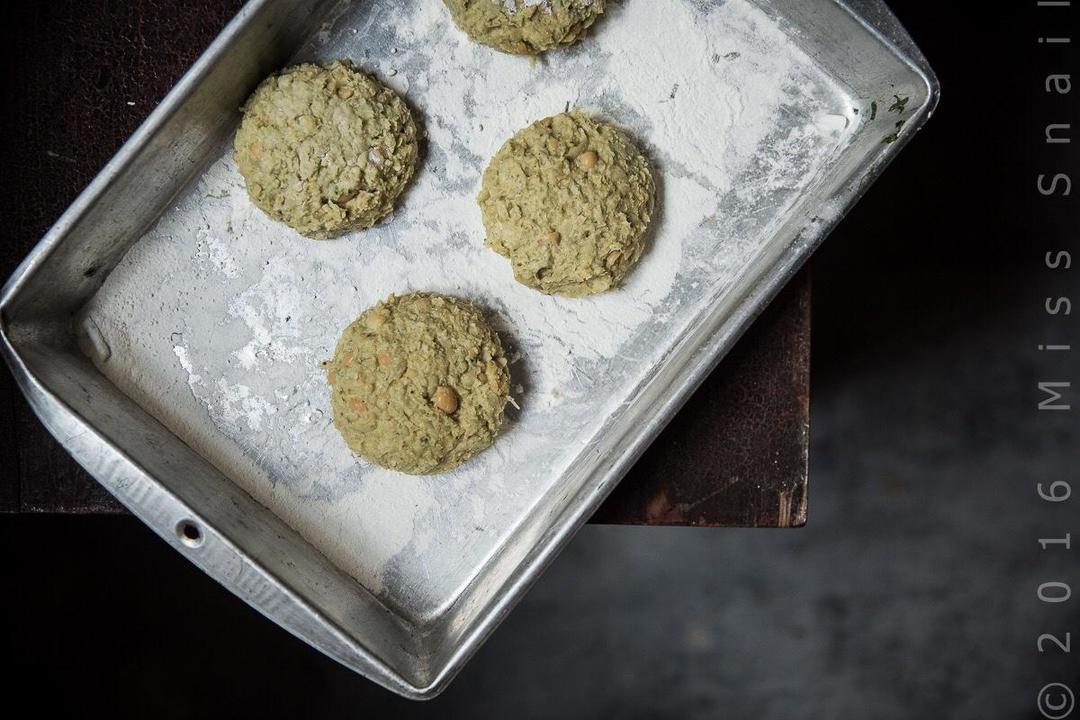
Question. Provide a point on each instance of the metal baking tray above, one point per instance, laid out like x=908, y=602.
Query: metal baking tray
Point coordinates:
x=169, y=335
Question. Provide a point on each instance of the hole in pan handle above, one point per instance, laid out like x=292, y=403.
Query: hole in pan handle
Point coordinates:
x=189, y=533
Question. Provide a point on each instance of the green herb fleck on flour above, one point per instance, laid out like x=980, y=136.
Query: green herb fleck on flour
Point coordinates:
x=891, y=137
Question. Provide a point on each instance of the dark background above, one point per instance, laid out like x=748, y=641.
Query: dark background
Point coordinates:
x=911, y=592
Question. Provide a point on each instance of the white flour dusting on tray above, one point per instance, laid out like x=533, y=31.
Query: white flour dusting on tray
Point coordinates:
x=218, y=318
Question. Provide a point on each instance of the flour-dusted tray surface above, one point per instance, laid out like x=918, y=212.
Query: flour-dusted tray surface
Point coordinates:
x=169, y=336
x=217, y=319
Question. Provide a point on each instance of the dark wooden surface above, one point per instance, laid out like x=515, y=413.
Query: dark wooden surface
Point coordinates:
x=736, y=454
x=82, y=74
